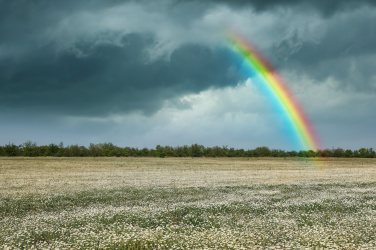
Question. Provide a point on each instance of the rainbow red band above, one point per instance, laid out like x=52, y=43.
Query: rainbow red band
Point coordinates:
x=276, y=85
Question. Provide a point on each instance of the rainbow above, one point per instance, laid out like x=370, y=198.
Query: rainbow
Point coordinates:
x=302, y=126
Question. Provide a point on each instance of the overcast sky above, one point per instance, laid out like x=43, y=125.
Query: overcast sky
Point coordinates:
x=142, y=73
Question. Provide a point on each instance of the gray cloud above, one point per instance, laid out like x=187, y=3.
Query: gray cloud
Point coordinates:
x=344, y=51
x=76, y=58
x=327, y=8
x=54, y=50
x=100, y=79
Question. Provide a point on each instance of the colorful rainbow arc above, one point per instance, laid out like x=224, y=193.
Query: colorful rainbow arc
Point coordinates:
x=276, y=85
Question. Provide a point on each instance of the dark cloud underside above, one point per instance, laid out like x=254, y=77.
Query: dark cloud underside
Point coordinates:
x=345, y=51
x=108, y=78
x=326, y=7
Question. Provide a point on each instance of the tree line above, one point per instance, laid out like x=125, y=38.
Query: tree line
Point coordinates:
x=31, y=149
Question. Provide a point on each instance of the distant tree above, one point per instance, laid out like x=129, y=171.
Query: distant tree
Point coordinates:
x=292, y=153
x=52, y=150
x=225, y=150
x=231, y=152
x=208, y=152
x=180, y=152
x=108, y=149
x=186, y=150
x=311, y=153
x=160, y=151
x=250, y=153
x=144, y=152
x=134, y=152
x=197, y=150
x=76, y=151
x=169, y=151
x=338, y=152
x=240, y=153
x=126, y=151
x=95, y=150
x=218, y=152
x=274, y=153
x=29, y=148
x=325, y=153
x=11, y=150
x=371, y=153
x=356, y=154
x=42, y=150
x=307, y=153
x=282, y=153
x=278, y=153
x=349, y=153
x=302, y=153
x=363, y=153
x=62, y=150
x=262, y=152
x=117, y=151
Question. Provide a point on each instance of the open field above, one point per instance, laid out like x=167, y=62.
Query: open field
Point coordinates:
x=222, y=203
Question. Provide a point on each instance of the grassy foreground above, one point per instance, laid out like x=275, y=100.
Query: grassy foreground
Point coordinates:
x=155, y=203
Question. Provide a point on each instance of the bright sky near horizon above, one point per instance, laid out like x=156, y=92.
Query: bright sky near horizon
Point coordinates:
x=142, y=73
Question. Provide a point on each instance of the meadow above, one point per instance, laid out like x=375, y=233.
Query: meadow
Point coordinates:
x=187, y=203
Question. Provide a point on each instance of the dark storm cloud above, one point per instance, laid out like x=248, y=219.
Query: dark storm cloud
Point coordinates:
x=345, y=51
x=90, y=76
x=107, y=78
x=93, y=77
x=20, y=19
x=326, y=7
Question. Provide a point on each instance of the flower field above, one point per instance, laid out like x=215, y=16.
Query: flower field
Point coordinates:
x=187, y=203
